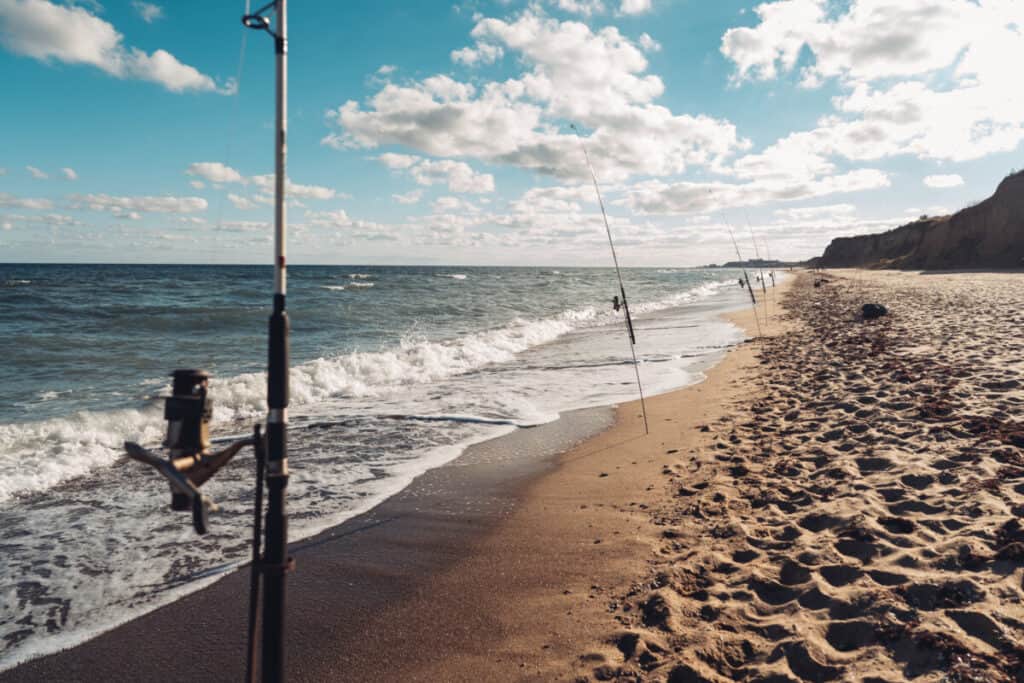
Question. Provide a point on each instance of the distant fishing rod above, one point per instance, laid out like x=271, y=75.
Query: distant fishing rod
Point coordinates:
x=618, y=274
x=760, y=268
x=750, y=290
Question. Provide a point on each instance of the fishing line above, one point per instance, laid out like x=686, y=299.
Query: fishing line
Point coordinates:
x=618, y=274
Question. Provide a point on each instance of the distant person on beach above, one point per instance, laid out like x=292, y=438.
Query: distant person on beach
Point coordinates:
x=740, y=281
x=615, y=303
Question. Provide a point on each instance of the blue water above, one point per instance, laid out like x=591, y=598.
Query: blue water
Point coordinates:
x=87, y=539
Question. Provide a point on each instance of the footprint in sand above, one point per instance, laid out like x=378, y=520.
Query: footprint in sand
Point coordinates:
x=840, y=575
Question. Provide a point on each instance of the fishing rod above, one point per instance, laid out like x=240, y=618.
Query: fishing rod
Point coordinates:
x=739, y=259
x=760, y=268
x=275, y=563
x=746, y=278
x=618, y=274
x=189, y=461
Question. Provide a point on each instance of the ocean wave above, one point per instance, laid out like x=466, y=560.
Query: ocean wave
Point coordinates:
x=359, y=276
x=36, y=456
x=342, y=288
x=16, y=283
x=454, y=276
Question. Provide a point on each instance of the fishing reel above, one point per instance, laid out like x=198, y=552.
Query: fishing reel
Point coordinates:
x=189, y=461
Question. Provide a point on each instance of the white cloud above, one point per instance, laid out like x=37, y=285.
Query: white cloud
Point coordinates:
x=483, y=53
x=36, y=173
x=46, y=31
x=649, y=44
x=457, y=175
x=214, y=172
x=240, y=202
x=397, y=161
x=265, y=183
x=411, y=197
x=658, y=197
x=197, y=184
x=133, y=207
x=871, y=39
x=386, y=69
x=448, y=204
x=69, y=173
x=50, y=219
x=596, y=79
x=805, y=213
x=635, y=6
x=939, y=181
x=147, y=11
x=584, y=7
x=8, y=200
x=927, y=78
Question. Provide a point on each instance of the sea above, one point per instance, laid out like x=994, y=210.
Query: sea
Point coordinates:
x=395, y=370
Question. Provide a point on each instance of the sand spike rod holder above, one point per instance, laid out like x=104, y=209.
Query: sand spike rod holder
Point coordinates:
x=189, y=461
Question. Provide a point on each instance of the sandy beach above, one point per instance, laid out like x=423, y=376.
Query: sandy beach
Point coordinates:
x=836, y=501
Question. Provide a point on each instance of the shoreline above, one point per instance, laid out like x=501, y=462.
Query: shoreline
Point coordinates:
x=495, y=468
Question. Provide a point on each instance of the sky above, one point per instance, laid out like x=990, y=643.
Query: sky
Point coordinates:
x=440, y=133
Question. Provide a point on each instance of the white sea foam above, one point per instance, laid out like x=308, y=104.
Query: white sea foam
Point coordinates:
x=336, y=288
x=454, y=276
x=361, y=284
x=39, y=455
x=359, y=276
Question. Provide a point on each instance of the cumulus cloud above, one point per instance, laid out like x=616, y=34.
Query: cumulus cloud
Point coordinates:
x=457, y=175
x=48, y=219
x=928, y=78
x=411, y=197
x=939, y=181
x=573, y=74
x=133, y=207
x=8, y=200
x=147, y=11
x=49, y=32
x=483, y=53
x=659, y=197
x=584, y=7
x=36, y=173
x=805, y=213
x=216, y=172
x=649, y=44
x=69, y=173
x=635, y=6
x=240, y=202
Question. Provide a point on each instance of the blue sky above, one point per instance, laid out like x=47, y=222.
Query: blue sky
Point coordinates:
x=439, y=133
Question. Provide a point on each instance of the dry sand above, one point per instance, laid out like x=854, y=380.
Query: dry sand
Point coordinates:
x=839, y=502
